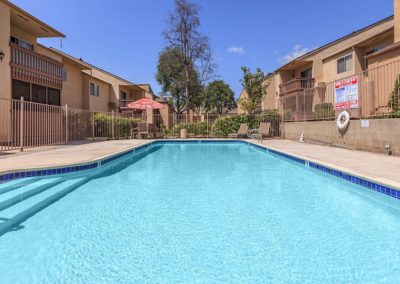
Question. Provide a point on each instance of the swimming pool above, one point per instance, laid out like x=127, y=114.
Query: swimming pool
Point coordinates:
x=199, y=213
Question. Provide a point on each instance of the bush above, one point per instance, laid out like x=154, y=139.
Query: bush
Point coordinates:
x=393, y=114
x=123, y=125
x=324, y=110
x=226, y=125
x=194, y=128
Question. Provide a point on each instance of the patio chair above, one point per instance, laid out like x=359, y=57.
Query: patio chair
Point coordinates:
x=242, y=132
x=264, y=130
x=142, y=130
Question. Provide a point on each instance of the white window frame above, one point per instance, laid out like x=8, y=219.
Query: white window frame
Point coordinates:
x=96, y=89
x=346, y=68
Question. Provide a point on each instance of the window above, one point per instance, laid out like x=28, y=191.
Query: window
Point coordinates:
x=21, y=89
x=38, y=94
x=306, y=73
x=64, y=74
x=122, y=95
x=35, y=93
x=94, y=90
x=345, y=63
x=54, y=97
x=22, y=43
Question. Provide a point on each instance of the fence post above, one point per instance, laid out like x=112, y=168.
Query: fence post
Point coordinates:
x=112, y=125
x=208, y=131
x=66, y=124
x=21, y=125
x=92, y=125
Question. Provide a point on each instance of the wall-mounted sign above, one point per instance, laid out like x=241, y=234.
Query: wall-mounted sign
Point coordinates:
x=364, y=123
x=346, y=93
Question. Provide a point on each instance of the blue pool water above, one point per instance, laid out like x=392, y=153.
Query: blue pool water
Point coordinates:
x=201, y=213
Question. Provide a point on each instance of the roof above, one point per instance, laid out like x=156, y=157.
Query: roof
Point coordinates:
x=26, y=21
x=127, y=83
x=337, y=41
x=68, y=58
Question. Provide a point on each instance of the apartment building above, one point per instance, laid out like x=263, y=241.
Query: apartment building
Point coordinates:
x=301, y=85
x=100, y=90
x=50, y=76
x=26, y=69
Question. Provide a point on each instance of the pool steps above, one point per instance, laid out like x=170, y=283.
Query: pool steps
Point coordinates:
x=25, y=194
x=16, y=184
x=41, y=197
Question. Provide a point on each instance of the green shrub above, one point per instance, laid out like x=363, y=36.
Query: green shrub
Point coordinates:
x=122, y=125
x=394, y=99
x=224, y=126
x=393, y=114
x=194, y=128
x=323, y=110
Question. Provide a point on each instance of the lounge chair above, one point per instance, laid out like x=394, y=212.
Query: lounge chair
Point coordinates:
x=264, y=130
x=242, y=132
x=142, y=130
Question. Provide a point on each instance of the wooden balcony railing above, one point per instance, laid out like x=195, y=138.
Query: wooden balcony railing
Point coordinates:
x=296, y=85
x=30, y=66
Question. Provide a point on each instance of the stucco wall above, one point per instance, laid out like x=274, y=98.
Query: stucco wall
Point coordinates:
x=243, y=95
x=72, y=94
x=270, y=99
x=5, y=74
x=101, y=102
x=374, y=138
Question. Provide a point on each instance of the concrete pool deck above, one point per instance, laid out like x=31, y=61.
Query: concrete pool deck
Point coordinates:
x=381, y=168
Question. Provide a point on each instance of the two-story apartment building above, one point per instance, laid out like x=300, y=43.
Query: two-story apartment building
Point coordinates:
x=26, y=68
x=100, y=90
x=309, y=80
x=371, y=55
x=49, y=76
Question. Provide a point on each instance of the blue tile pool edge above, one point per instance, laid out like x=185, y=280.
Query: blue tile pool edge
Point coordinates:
x=364, y=182
x=74, y=168
x=390, y=191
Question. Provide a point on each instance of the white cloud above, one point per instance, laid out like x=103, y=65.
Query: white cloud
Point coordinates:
x=297, y=51
x=236, y=49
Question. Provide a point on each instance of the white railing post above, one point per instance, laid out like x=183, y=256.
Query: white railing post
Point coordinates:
x=66, y=125
x=112, y=125
x=21, y=125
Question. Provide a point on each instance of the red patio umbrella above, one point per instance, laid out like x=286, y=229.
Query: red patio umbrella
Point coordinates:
x=145, y=103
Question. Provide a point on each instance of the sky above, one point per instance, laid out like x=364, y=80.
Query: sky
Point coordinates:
x=125, y=37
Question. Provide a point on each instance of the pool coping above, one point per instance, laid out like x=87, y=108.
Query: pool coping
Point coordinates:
x=388, y=187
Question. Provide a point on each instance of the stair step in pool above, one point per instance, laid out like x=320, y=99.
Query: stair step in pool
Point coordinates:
x=25, y=188
x=15, y=215
x=27, y=193
x=11, y=185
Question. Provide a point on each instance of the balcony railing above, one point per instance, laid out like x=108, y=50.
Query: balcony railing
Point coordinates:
x=124, y=103
x=27, y=65
x=296, y=85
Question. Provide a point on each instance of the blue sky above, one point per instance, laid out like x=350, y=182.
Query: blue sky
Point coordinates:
x=124, y=37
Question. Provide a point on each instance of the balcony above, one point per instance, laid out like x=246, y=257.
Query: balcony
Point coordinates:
x=123, y=104
x=296, y=85
x=29, y=66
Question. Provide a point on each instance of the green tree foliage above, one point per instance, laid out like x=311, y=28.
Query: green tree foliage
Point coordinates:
x=218, y=97
x=183, y=34
x=171, y=76
x=253, y=84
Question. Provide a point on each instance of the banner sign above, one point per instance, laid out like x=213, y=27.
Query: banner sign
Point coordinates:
x=346, y=93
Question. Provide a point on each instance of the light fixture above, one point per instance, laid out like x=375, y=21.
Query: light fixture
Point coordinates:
x=1, y=55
